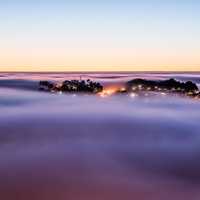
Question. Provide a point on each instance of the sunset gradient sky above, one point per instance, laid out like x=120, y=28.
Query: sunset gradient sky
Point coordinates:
x=106, y=35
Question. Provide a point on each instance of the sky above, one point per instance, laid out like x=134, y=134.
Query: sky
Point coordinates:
x=101, y=35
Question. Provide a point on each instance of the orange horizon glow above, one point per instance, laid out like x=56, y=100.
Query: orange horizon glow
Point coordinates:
x=101, y=69
x=97, y=59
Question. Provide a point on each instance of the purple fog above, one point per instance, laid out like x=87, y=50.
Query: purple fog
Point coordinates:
x=84, y=147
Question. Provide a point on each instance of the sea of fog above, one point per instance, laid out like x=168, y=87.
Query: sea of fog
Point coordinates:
x=84, y=147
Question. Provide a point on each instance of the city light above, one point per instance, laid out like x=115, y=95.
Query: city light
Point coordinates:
x=133, y=95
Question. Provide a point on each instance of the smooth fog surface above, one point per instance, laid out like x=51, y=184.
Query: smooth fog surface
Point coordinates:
x=90, y=148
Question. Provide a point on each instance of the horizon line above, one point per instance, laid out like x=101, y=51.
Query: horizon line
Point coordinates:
x=98, y=71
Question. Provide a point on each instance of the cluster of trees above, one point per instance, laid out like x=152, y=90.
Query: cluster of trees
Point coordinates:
x=170, y=85
x=81, y=86
x=72, y=86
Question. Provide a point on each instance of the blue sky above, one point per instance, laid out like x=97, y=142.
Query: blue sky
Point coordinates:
x=99, y=35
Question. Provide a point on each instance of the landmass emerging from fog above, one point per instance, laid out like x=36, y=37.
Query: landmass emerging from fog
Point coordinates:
x=135, y=86
x=72, y=86
x=167, y=86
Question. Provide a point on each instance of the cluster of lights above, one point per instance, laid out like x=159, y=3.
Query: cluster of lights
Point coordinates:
x=106, y=93
x=109, y=92
x=139, y=87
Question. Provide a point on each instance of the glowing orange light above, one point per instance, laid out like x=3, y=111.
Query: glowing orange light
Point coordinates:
x=123, y=89
x=107, y=92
